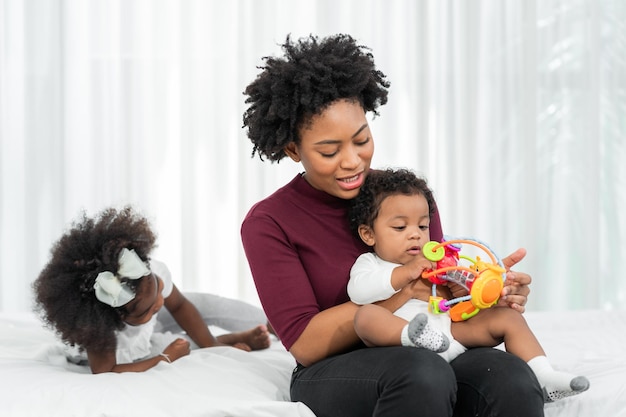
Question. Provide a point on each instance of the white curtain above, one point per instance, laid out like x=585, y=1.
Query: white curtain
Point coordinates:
x=515, y=111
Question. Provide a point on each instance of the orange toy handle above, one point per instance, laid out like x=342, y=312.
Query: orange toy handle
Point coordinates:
x=446, y=269
x=463, y=311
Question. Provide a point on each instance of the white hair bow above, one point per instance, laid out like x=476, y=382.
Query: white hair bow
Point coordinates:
x=109, y=287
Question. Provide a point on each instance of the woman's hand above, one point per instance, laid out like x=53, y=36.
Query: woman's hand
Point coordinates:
x=516, y=286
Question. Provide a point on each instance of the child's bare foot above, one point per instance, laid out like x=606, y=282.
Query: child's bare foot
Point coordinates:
x=257, y=338
x=242, y=346
x=253, y=339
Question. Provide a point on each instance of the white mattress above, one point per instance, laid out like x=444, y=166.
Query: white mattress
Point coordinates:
x=589, y=343
x=35, y=379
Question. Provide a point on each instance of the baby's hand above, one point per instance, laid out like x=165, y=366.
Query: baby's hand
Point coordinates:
x=177, y=349
x=419, y=264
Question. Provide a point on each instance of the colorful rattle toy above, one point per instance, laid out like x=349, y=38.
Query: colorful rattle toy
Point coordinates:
x=483, y=281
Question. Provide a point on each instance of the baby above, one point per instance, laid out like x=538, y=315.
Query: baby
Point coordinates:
x=392, y=214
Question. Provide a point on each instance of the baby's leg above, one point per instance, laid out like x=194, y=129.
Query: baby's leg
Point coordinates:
x=495, y=325
x=377, y=326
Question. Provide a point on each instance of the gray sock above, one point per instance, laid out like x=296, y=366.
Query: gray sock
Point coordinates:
x=426, y=336
x=555, y=384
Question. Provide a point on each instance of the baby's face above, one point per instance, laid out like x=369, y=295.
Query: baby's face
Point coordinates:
x=148, y=300
x=401, y=228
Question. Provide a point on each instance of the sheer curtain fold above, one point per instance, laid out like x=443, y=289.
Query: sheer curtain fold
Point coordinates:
x=515, y=111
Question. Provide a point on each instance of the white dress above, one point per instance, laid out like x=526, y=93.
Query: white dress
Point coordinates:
x=134, y=342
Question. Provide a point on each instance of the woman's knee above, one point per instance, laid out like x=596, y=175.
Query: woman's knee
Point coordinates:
x=486, y=378
x=424, y=371
x=417, y=379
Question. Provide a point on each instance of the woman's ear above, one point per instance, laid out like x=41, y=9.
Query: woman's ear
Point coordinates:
x=292, y=151
x=367, y=235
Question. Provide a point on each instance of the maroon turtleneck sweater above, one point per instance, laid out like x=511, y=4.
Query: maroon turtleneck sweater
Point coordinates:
x=300, y=250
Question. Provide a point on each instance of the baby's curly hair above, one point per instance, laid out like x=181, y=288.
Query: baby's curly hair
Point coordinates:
x=380, y=184
x=64, y=293
x=312, y=75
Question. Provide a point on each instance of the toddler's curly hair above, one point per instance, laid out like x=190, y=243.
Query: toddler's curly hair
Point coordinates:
x=64, y=293
x=380, y=184
x=313, y=74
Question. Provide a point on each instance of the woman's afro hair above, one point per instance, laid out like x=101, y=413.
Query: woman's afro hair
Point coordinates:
x=380, y=184
x=311, y=75
x=64, y=294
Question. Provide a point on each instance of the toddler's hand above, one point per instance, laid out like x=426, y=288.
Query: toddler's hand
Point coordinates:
x=177, y=349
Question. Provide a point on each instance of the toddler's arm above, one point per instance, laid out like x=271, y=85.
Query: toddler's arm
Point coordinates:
x=189, y=319
x=100, y=362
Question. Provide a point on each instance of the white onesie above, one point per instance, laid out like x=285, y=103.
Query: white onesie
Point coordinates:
x=370, y=281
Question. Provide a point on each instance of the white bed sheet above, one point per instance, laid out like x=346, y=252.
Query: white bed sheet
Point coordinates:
x=590, y=343
x=35, y=380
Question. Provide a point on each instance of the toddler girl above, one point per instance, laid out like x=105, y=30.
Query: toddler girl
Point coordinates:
x=101, y=292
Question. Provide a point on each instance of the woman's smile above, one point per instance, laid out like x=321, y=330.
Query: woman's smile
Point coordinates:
x=350, y=183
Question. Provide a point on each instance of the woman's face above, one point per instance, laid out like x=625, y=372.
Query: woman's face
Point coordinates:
x=336, y=149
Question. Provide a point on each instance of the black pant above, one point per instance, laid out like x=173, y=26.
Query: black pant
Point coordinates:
x=407, y=381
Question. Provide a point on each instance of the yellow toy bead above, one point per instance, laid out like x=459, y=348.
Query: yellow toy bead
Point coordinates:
x=434, y=303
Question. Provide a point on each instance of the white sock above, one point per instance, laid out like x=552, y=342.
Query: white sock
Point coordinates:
x=404, y=337
x=556, y=385
x=419, y=333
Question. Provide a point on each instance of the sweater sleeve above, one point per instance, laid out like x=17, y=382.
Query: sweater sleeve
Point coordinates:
x=282, y=283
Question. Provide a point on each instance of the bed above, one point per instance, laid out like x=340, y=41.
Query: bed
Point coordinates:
x=36, y=380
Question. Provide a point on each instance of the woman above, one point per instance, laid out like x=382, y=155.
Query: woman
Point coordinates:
x=310, y=106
